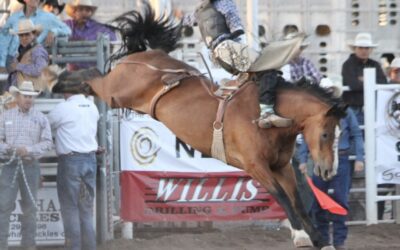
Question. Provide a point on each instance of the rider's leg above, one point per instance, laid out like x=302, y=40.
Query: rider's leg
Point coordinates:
x=222, y=31
x=236, y=55
x=267, y=85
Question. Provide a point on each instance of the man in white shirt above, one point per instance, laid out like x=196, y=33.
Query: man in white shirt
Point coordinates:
x=75, y=125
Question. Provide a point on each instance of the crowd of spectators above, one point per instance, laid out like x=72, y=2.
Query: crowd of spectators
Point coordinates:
x=25, y=134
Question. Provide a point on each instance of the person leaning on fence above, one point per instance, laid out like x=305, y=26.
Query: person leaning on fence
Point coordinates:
x=340, y=183
x=31, y=59
x=75, y=124
x=51, y=27
x=25, y=136
x=84, y=27
x=352, y=73
x=394, y=71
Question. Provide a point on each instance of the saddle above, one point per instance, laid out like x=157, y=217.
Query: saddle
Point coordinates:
x=224, y=94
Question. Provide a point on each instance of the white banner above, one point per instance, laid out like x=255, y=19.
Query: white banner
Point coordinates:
x=50, y=230
x=388, y=137
x=153, y=147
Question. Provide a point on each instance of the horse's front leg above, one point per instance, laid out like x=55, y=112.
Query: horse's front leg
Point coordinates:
x=283, y=188
x=286, y=182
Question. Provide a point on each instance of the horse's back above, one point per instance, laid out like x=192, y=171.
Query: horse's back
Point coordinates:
x=160, y=59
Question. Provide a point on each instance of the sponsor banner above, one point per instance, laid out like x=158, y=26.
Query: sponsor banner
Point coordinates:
x=178, y=196
x=150, y=146
x=50, y=228
x=165, y=179
x=388, y=137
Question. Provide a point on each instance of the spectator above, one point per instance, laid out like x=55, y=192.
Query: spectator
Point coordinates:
x=12, y=7
x=340, y=183
x=75, y=125
x=385, y=60
x=51, y=27
x=31, y=59
x=53, y=6
x=83, y=27
x=300, y=66
x=352, y=73
x=24, y=135
x=394, y=71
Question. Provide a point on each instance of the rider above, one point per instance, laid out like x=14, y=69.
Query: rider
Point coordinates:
x=222, y=31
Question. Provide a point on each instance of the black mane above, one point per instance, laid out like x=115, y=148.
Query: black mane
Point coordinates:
x=141, y=31
x=312, y=89
x=338, y=108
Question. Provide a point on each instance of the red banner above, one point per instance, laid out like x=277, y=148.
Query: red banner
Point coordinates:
x=175, y=196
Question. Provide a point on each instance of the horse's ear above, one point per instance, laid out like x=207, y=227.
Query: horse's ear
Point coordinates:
x=337, y=110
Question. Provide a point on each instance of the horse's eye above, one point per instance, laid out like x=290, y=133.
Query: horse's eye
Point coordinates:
x=324, y=136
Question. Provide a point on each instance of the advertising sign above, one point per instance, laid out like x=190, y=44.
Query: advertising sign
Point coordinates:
x=164, y=179
x=50, y=229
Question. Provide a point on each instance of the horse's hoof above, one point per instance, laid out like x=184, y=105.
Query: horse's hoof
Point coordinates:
x=328, y=248
x=301, y=239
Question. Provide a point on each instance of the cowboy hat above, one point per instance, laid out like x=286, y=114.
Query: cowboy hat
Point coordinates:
x=70, y=7
x=363, y=40
x=23, y=1
x=293, y=34
x=25, y=88
x=336, y=86
x=26, y=26
x=395, y=63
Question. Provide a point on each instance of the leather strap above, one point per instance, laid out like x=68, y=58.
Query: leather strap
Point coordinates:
x=157, y=97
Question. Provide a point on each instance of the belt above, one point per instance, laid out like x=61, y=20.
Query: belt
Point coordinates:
x=78, y=153
x=344, y=151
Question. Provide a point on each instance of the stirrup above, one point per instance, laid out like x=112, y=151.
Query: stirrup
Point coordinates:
x=268, y=120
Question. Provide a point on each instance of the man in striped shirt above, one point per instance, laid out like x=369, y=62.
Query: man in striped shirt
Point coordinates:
x=25, y=136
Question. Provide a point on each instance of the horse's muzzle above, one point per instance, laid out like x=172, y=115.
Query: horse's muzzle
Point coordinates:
x=325, y=172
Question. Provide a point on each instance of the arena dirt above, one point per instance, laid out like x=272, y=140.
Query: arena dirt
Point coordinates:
x=246, y=236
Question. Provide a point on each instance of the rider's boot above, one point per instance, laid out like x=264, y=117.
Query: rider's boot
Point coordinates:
x=236, y=54
x=269, y=119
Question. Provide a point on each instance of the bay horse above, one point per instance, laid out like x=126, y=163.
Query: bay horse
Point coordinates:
x=189, y=109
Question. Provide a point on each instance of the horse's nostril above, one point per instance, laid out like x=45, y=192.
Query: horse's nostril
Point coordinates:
x=326, y=174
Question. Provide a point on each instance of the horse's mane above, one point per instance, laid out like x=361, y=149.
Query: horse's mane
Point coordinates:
x=315, y=90
x=140, y=31
x=306, y=86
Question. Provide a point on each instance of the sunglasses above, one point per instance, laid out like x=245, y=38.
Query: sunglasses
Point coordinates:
x=24, y=34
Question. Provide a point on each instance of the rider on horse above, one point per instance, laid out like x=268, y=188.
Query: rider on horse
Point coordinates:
x=223, y=33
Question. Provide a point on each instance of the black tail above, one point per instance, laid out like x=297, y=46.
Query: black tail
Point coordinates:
x=140, y=31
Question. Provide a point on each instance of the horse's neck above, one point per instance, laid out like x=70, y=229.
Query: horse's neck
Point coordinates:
x=299, y=105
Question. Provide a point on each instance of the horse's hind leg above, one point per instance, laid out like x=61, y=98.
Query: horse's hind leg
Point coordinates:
x=283, y=188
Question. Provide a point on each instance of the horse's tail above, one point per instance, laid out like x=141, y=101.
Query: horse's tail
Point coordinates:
x=140, y=31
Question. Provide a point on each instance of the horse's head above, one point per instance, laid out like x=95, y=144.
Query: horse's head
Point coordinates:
x=321, y=133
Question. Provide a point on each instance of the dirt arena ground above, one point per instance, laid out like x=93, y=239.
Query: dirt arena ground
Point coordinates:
x=247, y=236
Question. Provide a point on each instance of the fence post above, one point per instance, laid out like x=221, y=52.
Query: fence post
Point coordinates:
x=105, y=230
x=370, y=124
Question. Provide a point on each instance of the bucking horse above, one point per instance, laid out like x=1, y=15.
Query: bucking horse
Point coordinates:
x=182, y=98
